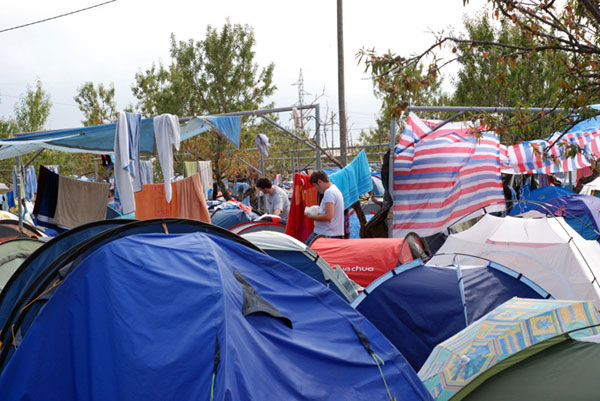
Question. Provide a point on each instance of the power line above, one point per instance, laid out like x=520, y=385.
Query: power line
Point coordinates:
x=58, y=16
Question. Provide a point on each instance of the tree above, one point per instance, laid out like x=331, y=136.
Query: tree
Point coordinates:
x=489, y=77
x=212, y=76
x=97, y=105
x=569, y=33
x=33, y=108
x=561, y=38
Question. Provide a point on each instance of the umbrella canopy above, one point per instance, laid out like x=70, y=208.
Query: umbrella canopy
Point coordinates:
x=560, y=368
x=513, y=326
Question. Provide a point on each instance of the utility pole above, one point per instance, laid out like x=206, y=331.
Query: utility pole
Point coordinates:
x=341, y=90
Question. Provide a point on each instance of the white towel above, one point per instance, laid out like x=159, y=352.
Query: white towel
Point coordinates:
x=166, y=134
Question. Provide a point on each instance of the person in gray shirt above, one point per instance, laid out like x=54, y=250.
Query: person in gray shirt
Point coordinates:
x=277, y=199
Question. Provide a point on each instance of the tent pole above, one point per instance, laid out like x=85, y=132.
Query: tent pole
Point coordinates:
x=391, y=173
x=318, y=135
x=18, y=185
x=293, y=161
x=262, y=204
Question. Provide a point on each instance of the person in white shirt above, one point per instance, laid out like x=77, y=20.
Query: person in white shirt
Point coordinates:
x=330, y=220
x=277, y=199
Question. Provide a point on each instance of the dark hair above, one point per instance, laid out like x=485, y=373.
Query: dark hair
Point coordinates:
x=318, y=175
x=263, y=183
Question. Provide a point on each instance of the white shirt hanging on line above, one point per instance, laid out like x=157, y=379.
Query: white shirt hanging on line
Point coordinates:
x=127, y=138
x=166, y=134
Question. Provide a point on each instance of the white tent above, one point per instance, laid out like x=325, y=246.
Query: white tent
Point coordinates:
x=276, y=241
x=547, y=250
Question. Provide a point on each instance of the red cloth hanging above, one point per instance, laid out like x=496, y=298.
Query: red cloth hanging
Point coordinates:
x=298, y=226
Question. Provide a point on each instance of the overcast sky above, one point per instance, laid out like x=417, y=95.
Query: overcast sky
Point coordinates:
x=109, y=44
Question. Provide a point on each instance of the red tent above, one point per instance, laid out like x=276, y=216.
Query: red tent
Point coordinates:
x=363, y=259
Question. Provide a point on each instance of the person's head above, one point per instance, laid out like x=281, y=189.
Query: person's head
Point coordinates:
x=264, y=185
x=319, y=180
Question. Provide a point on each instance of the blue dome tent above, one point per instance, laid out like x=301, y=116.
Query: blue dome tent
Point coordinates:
x=197, y=317
x=418, y=306
x=36, y=294
x=538, y=197
x=42, y=257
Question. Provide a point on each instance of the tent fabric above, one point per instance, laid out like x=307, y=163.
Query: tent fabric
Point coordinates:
x=12, y=255
x=47, y=253
x=540, y=195
x=417, y=307
x=560, y=368
x=548, y=251
x=99, y=139
x=126, y=330
x=298, y=255
x=582, y=212
x=363, y=260
x=230, y=217
x=511, y=327
x=37, y=293
x=255, y=226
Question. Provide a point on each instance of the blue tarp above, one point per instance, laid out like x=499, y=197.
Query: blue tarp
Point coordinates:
x=152, y=316
x=417, y=307
x=100, y=138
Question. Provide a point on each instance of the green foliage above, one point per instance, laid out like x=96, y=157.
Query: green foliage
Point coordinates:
x=8, y=128
x=544, y=54
x=33, y=109
x=211, y=76
x=97, y=105
x=492, y=76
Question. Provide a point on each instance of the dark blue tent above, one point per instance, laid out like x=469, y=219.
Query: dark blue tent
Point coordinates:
x=198, y=317
x=42, y=257
x=538, y=197
x=417, y=307
x=582, y=212
x=229, y=217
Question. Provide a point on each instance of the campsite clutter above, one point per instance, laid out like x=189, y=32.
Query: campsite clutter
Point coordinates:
x=505, y=298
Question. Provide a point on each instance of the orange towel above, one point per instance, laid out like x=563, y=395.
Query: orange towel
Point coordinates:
x=190, y=195
x=150, y=202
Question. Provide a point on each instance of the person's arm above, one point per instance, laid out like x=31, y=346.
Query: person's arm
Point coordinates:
x=277, y=205
x=327, y=216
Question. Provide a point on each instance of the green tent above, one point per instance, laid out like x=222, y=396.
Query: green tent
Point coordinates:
x=559, y=368
x=12, y=254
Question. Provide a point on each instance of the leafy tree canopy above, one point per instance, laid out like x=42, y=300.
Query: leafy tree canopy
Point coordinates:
x=211, y=76
x=97, y=105
x=545, y=54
